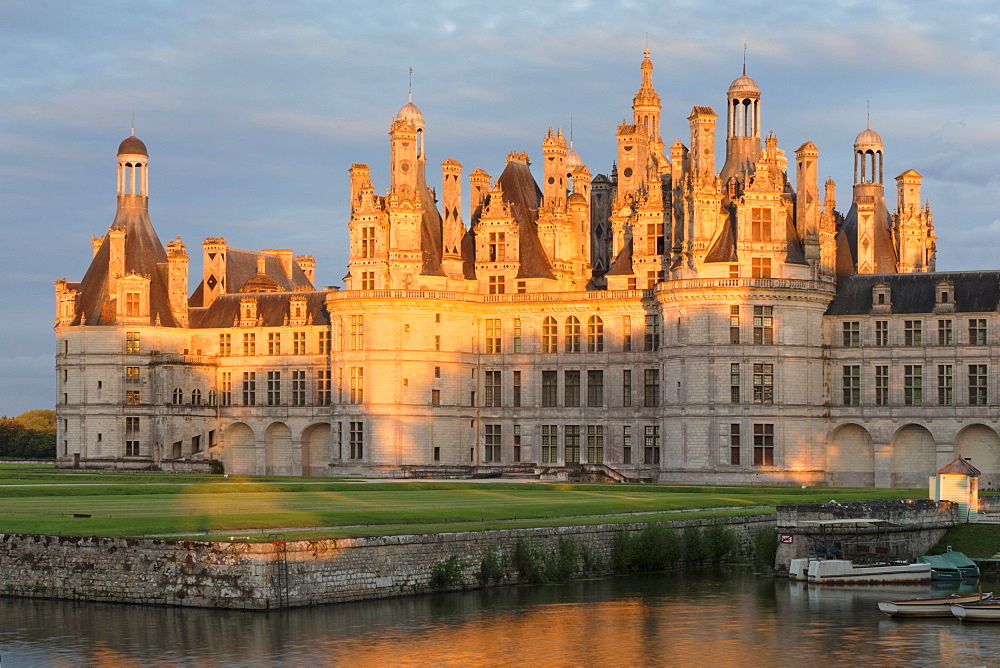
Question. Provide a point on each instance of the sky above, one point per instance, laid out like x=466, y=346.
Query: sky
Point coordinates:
x=253, y=112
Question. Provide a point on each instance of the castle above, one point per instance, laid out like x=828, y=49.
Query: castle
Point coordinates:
x=671, y=321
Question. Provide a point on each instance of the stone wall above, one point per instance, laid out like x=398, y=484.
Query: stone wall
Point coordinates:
x=259, y=576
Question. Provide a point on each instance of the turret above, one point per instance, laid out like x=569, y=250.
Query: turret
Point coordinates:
x=742, y=128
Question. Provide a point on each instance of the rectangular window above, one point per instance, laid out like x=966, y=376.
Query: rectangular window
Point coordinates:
x=132, y=397
x=299, y=387
x=132, y=304
x=516, y=398
x=881, y=332
x=131, y=425
x=517, y=443
x=763, y=445
x=913, y=380
x=357, y=395
x=249, y=388
x=323, y=390
x=760, y=224
x=627, y=388
x=651, y=445
x=763, y=383
x=977, y=331
x=273, y=388
x=944, y=333
x=550, y=389
x=324, y=343
x=367, y=241
x=131, y=448
x=852, y=334
x=595, y=389
x=882, y=385
x=651, y=389
x=734, y=324
x=274, y=343
x=249, y=343
x=493, y=441
x=493, y=338
x=132, y=343
x=760, y=267
x=571, y=388
x=595, y=443
x=946, y=384
x=497, y=286
x=225, y=345
x=226, y=391
x=571, y=442
x=357, y=332
x=437, y=342
x=298, y=343
x=497, y=247
x=652, y=332
x=913, y=332
x=852, y=385
x=517, y=335
x=977, y=385
x=734, y=444
x=627, y=444
x=435, y=397
x=734, y=382
x=368, y=280
x=357, y=440
x=131, y=374
x=492, y=389
x=763, y=325
x=654, y=237
x=550, y=443
x=627, y=334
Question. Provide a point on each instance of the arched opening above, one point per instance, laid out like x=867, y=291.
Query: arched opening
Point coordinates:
x=981, y=446
x=239, y=451
x=316, y=443
x=914, y=459
x=850, y=457
x=278, y=450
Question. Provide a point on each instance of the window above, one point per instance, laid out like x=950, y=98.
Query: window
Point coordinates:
x=881, y=332
x=571, y=442
x=324, y=342
x=734, y=383
x=944, y=333
x=497, y=285
x=273, y=388
x=131, y=374
x=882, y=385
x=652, y=278
x=131, y=398
x=213, y=398
x=357, y=332
x=437, y=342
x=651, y=393
x=357, y=440
x=571, y=388
x=913, y=384
x=763, y=383
x=652, y=332
x=517, y=443
x=517, y=335
x=627, y=388
x=132, y=343
x=274, y=343
x=132, y=304
x=595, y=389
x=249, y=343
x=595, y=334
x=196, y=397
x=632, y=283
x=763, y=325
x=493, y=389
x=913, y=332
x=763, y=445
x=572, y=334
x=946, y=383
x=977, y=385
x=651, y=445
x=493, y=336
x=497, y=247
x=131, y=448
x=368, y=280
x=734, y=444
x=226, y=391
x=852, y=334
x=550, y=443
x=298, y=387
x=178, y=396
x=595, y=443
x=516, y=399
x=493, y=443
x=852, y=385
x=550, y=335
x=627, y=444
x=760, y=224
x=550, y=389
x=357, y=395
x=522, y=287
x=734, y=324
x=131, y=425
x=977, y=331
x=323, y=393
x=435, y=397
x=367, y=241
x=196, y=443
x=249, y=388
x=225, y=345
x=734, y=271
x=760, y=267
x=627, y=334
x=298, y=343
x=654, y=237
x=437, y=372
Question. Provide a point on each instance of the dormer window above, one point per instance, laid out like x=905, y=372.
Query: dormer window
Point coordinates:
x=944, y=292
x=881, y=298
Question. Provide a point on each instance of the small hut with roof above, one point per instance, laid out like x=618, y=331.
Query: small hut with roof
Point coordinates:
x=958, y=482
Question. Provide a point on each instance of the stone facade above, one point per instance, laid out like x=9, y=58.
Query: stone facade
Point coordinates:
x=669, y=321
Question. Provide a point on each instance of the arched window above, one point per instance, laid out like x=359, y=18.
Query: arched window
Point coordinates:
x=213, y=397
x=196, y=397
x=595, y=334
x=178, y=396
x=572, y=334
x=550, y=334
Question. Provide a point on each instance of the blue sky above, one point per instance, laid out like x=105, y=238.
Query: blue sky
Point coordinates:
x=254, y=111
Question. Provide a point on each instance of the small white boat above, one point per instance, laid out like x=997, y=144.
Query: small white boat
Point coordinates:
x=930, y=607
x=843, y=571
x=798, y=569
x=977, y=612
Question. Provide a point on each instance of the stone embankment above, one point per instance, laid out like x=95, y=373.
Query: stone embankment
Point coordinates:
x=260, y=576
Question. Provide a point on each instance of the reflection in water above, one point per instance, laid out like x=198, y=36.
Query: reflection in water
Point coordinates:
x=723, y=618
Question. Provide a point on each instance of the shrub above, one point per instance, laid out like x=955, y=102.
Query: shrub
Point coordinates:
x=695, y=549
x=527, y=561
x=447, y=574
x=491, y=568
x=765, y=549
x=720, y=542
x=215, y=466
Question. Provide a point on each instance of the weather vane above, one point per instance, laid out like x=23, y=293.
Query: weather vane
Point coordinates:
x=744, y=58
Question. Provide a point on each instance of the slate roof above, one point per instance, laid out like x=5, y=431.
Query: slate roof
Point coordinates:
x=974, y=292
x=847, y=242
x=622, y=265
x=521, y=193
x=241, y=268
x=272, y=309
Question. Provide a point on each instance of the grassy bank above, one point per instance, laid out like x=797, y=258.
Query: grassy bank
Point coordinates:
x=979, y=541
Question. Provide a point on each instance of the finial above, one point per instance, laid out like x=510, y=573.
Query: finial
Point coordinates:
x=646, y=52
x=410, y=95
x=133, y=123
x=571, y=132
x=868, y=103
x=744, y=58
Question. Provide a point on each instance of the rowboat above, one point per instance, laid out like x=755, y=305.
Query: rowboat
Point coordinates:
x=977, y=612
x=843, y=571
x=930, y=607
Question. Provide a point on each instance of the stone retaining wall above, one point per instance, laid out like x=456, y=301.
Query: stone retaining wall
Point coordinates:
x=258, y=576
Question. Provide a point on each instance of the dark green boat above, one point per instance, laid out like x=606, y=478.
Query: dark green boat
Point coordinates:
x=950, y=567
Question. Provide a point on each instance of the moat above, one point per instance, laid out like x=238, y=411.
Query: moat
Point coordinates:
x=722, y=617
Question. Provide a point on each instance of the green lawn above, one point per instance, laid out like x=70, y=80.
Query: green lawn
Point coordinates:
x=40, y=500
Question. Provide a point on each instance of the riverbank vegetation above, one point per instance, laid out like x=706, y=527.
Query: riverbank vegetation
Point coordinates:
x=44, y=501
x=30, y=435
x=979, y=541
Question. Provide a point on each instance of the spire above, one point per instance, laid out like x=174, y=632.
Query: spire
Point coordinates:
x=744, y=58
x=409, y=95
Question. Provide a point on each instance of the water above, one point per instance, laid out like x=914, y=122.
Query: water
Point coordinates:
x=724, y=618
